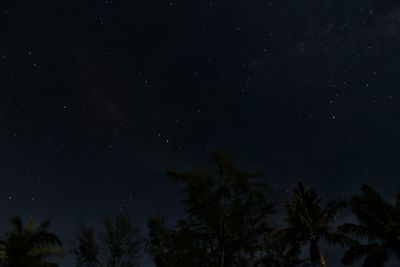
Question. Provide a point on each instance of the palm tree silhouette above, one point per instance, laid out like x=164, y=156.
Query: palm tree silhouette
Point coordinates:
x=280, y=253
x=378, y=229
x=308, y=222
x=28, y=246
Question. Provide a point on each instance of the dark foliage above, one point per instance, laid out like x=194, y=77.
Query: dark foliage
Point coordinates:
x=226, y=224
x=28, y=246
x=378, y=229
x=85, y=247
x=308, y=222
x=118, y=246
x=226, y=217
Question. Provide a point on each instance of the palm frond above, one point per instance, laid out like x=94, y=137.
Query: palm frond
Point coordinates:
x=358, y=231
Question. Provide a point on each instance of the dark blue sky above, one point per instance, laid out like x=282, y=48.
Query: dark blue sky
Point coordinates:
x=99, y=98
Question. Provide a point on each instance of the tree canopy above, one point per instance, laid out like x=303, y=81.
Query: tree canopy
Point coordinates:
x=226, y=217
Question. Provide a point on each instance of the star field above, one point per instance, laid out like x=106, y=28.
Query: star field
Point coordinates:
x=99, y=98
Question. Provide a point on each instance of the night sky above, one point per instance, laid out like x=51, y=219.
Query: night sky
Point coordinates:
x=99, y=98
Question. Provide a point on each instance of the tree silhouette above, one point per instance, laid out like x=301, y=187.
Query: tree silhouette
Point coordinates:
x=280, y=253
x=226, y=217
x=85, y=247
x=119, y=245
x=308, y=222
x=378, y=229
x=28, y=246
x=177, y=247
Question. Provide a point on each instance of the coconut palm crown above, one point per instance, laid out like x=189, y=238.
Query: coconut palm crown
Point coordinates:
x=308, y=222
x=29, y=246
x=378, y=229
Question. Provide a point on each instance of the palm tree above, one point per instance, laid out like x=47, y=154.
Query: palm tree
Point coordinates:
x=378, y=229
x=28, y=246
x=308, y=223
x=280, y=253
